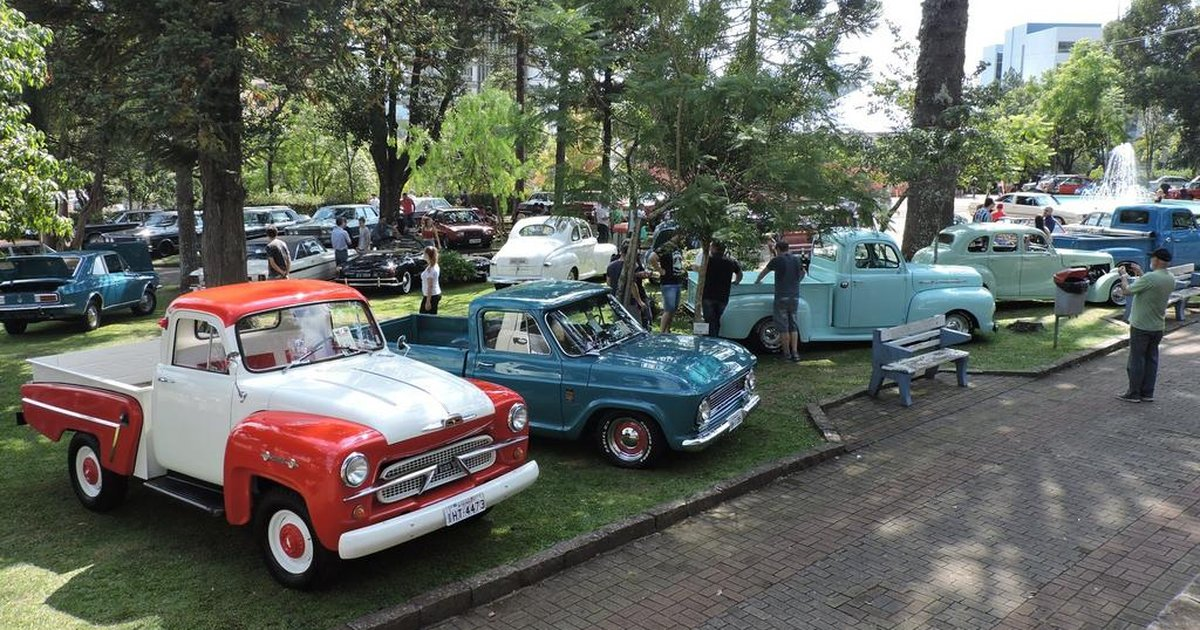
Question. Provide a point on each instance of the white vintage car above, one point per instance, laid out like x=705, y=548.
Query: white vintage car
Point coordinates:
x=310, y=260
x=550, y=247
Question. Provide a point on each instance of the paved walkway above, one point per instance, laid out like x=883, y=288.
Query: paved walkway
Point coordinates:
x=1014, y=504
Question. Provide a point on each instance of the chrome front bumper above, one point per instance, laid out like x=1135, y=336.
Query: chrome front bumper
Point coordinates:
x=372, y=538
x=370, y=282
x=732, y=422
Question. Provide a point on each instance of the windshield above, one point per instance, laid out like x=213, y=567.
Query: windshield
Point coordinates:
x=309, y=333
x=38, y=267
x=537, y=229
x=458, y=217
x=592, y=324
x=162, y=220
x=330, y=214
x=256, y=218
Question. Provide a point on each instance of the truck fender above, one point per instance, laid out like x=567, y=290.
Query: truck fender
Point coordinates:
x=114, y=419
x=989, y=279
x=302, y=452
x=1126, y=255
x=744, y=311
x=595, y=408
x=1100, y=289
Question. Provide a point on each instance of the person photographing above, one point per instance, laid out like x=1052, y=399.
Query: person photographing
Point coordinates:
x=1147, y=321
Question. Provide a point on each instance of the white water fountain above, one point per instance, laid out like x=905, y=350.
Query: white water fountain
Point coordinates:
x=1121, y=183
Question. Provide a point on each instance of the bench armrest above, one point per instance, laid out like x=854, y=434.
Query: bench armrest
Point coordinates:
x=952, y=337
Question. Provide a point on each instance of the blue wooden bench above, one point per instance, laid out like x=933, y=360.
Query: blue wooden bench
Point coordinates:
x=1185, y=289
x=902, y=352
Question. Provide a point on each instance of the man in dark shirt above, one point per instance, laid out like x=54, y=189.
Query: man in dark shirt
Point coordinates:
x=637, y=304
x=719, y=276
x=279, y=259
x=789, y=271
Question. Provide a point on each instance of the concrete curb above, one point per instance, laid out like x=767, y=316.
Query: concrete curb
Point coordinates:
x=458, y=597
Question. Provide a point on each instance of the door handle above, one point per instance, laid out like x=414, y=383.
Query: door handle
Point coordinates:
x=485, y=364
x=163, y=379
x=844, y=284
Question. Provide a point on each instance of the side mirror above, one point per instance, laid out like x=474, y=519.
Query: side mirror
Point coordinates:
x=402, y=345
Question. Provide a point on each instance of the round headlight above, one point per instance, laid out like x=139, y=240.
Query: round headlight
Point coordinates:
x=751, y=381
x=518, y=417
x=354, y=470
x=703, y=414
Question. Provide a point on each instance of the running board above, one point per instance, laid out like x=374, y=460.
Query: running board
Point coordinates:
x=191, y=492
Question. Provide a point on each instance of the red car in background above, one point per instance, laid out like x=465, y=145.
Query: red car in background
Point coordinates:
x=1068, y=184
x=461, y=227
x=1190, y=190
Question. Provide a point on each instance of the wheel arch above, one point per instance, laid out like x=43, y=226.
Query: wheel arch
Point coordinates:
x=115, y=420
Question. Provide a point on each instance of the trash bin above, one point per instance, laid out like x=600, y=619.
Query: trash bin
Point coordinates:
x=1071, y=295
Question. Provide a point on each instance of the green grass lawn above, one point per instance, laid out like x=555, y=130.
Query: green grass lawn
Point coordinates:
x=153, y=563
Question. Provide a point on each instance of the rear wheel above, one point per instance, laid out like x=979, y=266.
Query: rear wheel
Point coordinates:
x=91, y=316
x=97, y=488
x=766, y=336
x=960, y=321
x=147, y=304
x=15, y=328
x=630, y=439
x=294, y=556
x=166, y=248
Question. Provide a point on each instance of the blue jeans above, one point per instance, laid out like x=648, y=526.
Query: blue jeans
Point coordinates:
x=1143, y=361
x=670, y=293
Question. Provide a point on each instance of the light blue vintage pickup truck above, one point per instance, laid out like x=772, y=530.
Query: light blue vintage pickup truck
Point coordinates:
x=857, y=282
x=587, y=369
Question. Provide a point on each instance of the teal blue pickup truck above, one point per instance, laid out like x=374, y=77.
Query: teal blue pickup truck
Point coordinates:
x=588, y=370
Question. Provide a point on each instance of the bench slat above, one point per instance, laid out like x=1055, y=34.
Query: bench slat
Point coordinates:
x=925, y=345
x=922, y=362
x=1182, y=270
x=897, y=332
x=929, y=334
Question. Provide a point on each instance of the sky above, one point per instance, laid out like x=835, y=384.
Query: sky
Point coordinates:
x=987, y=22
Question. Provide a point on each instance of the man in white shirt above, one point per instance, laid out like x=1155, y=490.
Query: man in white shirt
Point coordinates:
x=602, y=225
x=340, y=239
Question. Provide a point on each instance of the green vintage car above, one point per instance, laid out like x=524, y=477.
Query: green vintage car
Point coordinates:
x=1018, y=262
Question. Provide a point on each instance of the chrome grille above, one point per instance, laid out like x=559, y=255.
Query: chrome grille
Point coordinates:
x=725, y=400
x=447, y=469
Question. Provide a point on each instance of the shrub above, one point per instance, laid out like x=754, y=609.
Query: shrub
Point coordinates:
x=455, y=267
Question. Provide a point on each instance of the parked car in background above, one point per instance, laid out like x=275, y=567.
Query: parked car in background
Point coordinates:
x=255, y=222
x=1132, y=232
x=424, y=205
x=588, y=370
x=160, y=233
x=23, y=248
x=857, y=282
x=1188, y=191
x=325, y=218
x=542, y=248
x=1069, y=185
x=283, y=217
x=1030, y=205
x=75, y=286
x=136, y=217
x=396, y=269
x=461, y=227
x=1016, y=261
x=539, y=203
x=310, y=260
x=1174, y=181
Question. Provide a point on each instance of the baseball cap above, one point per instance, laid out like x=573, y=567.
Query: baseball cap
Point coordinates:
x=1161, y=254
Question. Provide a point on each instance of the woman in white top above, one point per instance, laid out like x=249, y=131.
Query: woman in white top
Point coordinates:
x=431, y=288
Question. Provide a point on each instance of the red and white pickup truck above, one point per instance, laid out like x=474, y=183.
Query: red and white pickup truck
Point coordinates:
x=278, y=404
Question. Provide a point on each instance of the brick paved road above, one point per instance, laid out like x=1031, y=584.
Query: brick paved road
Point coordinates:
x=1014, y=504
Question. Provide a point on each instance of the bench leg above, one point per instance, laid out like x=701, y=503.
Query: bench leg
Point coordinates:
x=960, y=366
x=905, y=383
x=1181, y=310
x=876, y=381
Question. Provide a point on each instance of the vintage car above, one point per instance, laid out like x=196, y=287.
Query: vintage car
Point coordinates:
x=397, y=269
x=542, y=248
x=160, y=233
x=276, y=405
x=324, y=220
x=857, y=282
x=461, y=227
x=539, y=203
x=282, y=217
x=24, y=247
x=310, y=259
x=1016, y=261
x=75, y=286
x=588, y=370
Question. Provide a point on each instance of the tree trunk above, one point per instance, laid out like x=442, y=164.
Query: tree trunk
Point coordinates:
x=270, y=173
x=220, y=140
x=519, y=189
x=91, y=207
x=606, y=134
x=350, y=152
x=185, y=206
x=939, y=88
x=560, y=145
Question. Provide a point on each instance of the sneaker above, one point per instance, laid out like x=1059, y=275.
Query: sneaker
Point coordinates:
x=1130, y=398
x=795, y=358
x=786, y=356
x=1147, y=399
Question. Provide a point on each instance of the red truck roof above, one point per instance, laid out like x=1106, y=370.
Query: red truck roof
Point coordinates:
x=234, y=301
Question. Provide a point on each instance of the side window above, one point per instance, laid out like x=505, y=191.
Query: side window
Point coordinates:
x=1036, y=243
x=585, y=231
x=575, y=233
x=198, y=346
x=1134, y=217
x=98, y=268
x=515, y=332
x=280, y=217
x=114, y=263
x=876, y=256
x=1004, y=243
x=978, y=246
x=1182, y=221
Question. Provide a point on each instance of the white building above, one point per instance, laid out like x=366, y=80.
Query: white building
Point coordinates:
x=1029, y=50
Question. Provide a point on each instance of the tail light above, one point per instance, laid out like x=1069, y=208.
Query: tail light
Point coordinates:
x=46, y=298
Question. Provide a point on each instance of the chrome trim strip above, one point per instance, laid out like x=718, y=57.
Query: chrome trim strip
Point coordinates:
x=426, y=472
x=33, y=307
x=462, y=459
x=696, y=444
x=73, y=414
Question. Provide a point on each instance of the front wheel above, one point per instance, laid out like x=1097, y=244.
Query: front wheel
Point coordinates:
x=294, y=556
x=766, y=336
x=405, y=281
x=97, y=488
x=15, y=328
x=147, y=304
x=91, y=316
x=1116, y=295
x=960, y=321
x=166, y=248
x=630, y=439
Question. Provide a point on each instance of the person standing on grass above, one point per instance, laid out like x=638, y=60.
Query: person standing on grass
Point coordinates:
x=667, y=261
x=340, y=240
x=364, y=236
x=279, y=259
x=789, y=271
x=1147, y=321
x=431, y=287
x=407, y=207
x=721, y=274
